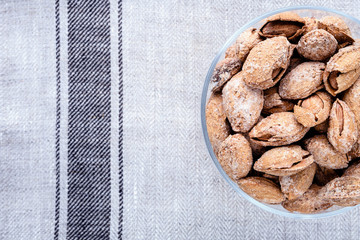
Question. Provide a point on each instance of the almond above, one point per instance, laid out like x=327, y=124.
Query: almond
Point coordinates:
x=314, y=109
x=235, y=156
x=287, y=24
x=338, y=28
x=296, y=185
x=261, y=189
x=244, y=43
x=278, y=129
x=325, y=154
x=336, y=22
x=242, y=104
x=342, y=70
x=342, y=132
x=317, y=45
x=217, y=126
x=311, y=24
x=310, y=202
x=352, y=99
x=267, y=62
x=284, y=161
x=224, y=70
x=302, y=81
x=342, y=191
x=273, y=102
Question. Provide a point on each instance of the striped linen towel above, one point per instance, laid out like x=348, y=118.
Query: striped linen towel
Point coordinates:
x=100, y=134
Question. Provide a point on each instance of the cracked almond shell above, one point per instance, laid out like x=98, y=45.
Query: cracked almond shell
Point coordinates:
x=296, y=185
x=302, y=81
x=284, y=161
x=325, y=154
x=342, y=132
x=352, y=99
x=242, y=104
x=224, y=71
x=317, y=45
x=235, y=156
x=342, y=70
x=310, y=202
x=336, y=22
x=273, y=102
x=267, y=62
x=342, y=191
x=217, y=126
x=243, y=44
x=311, y=24
x=314, y=109
x=278, y=129
x=287, y=24
x=261, y=189
x=338, y=28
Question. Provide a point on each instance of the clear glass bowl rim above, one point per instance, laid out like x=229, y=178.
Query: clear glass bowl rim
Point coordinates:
x=203, y=120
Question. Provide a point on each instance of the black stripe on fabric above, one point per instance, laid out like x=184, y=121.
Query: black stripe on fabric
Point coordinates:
x=57, y=132
x=120, y=123
x=89, y=120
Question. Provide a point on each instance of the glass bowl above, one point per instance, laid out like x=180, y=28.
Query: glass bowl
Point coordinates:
x=303, y=11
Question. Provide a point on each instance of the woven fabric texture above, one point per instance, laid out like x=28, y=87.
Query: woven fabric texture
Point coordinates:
x=27, y=119
x=171, y=187
x=100, y=134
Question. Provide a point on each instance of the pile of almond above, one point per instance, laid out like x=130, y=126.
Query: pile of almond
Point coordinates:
x=284, y=115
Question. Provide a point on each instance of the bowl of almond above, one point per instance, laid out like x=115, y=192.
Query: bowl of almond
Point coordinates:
x=280, y=112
